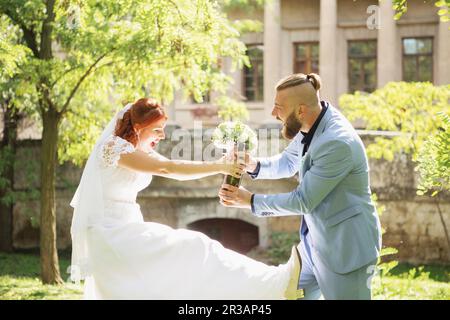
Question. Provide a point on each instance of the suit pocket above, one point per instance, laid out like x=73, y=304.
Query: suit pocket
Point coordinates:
x=343, y=215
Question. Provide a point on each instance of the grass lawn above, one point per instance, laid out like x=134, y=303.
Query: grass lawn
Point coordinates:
x=407, y=282
x=19, y=279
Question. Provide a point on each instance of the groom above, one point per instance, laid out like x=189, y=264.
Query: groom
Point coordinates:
x=340, y=232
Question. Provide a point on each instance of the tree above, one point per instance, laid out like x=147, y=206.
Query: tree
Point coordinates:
x=411, y=109
x=434, y=160
x=243, y=4
x=85, y=52
x=401, y=7
x=434, y=165
x=12, y=54
x=419, y=112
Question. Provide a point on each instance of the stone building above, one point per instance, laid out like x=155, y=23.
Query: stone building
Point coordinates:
x=413, y=224
x=352, y=44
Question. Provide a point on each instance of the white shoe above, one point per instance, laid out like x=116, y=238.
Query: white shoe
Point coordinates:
x=292, y=291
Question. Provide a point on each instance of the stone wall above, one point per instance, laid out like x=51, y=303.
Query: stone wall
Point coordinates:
x=412, y=223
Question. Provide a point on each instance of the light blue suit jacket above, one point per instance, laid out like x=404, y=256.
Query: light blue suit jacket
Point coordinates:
x=333, y=194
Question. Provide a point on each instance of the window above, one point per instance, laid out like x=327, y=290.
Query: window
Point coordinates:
x=253, y=84
x=362, y=65
x=306, y=57
x=418, y=59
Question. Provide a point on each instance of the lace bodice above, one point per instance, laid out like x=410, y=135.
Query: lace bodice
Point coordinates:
x=119, y=184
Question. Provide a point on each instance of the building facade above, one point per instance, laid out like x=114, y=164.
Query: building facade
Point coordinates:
x=352, y=44
x=413, y=223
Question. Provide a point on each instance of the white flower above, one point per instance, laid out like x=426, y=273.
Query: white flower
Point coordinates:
x=229, y=133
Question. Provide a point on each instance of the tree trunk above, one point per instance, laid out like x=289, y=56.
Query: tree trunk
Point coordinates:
x=49, y=255
x=444, y=226
x=8, y=148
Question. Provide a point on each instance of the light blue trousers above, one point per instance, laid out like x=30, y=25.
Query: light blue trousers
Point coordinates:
x=318, y=280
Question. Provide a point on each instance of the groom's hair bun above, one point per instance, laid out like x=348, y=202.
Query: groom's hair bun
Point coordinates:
x=298, y=79
x=144, y=112
x=315, y=80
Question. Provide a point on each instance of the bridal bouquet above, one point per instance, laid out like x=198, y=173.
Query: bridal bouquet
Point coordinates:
x=234, y=136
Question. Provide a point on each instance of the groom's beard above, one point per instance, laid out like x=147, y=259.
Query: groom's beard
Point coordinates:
x=291, y=127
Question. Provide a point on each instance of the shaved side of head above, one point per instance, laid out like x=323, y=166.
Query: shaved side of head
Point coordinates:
x=300, y=89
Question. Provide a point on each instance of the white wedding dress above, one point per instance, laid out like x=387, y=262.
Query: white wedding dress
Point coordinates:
x=133, y=259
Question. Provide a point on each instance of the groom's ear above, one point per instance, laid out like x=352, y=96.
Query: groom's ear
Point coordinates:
x=301, y=109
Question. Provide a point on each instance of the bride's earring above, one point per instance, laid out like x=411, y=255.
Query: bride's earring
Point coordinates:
x=138, y=139
x=137, y=136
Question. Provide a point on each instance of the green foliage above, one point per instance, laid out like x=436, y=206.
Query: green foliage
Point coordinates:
x=229, y=134
x=434, y=160
x=401, y=7
x=419, y=113
x=132, y=48
x=280, y=246
x=231, y=110
x=12, y=53
x=383, y=268
x=83, y=125
x=411, y=109
x=14, y=100
x=248, y=5
x=247, y=26
x=443, y=12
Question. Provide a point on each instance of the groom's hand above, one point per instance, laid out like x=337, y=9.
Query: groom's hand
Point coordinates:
x=231, y=196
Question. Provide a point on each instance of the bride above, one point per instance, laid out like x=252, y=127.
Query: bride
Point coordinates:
x=122, y=257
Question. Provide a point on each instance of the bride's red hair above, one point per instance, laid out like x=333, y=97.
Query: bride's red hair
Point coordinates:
x=144, y=112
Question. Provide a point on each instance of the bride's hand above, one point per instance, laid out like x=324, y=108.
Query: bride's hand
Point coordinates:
x=232, y=168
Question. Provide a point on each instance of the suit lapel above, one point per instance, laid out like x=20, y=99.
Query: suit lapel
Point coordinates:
x=322, y=125
x=306, y=160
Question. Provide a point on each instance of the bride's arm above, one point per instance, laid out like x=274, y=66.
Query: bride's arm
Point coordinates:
x=176, y=169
